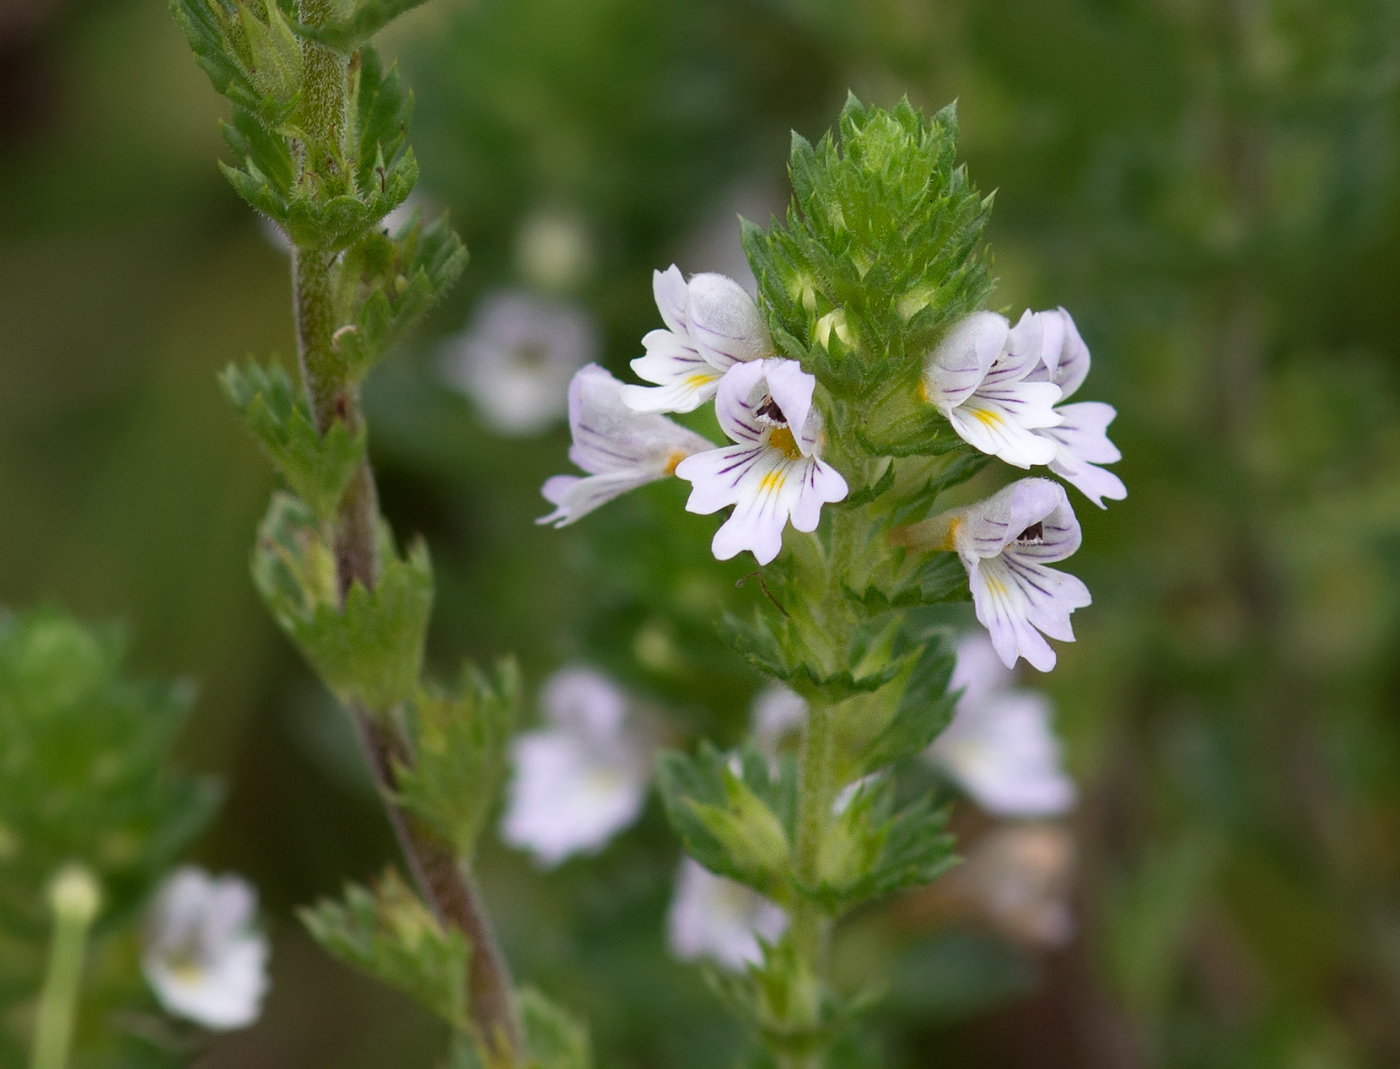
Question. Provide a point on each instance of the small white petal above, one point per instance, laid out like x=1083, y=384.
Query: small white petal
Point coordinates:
x=959, y=363
x=717, y=918
x=1082, y=441
x=672, y=298
x=725, y=323
x=778, y=713
x=1073, y=365
x=686, y=380
x=1003, y=422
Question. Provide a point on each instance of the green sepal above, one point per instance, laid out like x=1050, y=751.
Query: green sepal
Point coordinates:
x=459, y=738
x=317, y=468
x=866, y=852
x=368, y=18
x=370, y=652
x=249, y=53
x=389, y=934
x=385, y=284
x=554, y=1037
x=737, y=823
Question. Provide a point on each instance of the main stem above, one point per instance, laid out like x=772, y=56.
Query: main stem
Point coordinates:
x=74, y=898
x=444, y=879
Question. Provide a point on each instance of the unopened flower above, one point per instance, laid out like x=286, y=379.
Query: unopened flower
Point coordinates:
x=1000, y=747
x=711, y=324
x=979, y=377
x=516, y=359
x=619, y=448
x=584, y=777
x=1005, y=543
x=203, y=957
x=774, y=473
x=717, y=918
x=1081, y=439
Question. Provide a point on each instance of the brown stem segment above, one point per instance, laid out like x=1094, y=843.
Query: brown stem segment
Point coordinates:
x=445, y=880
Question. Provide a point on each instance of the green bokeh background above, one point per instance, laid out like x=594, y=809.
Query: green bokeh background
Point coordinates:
x=1210, y=186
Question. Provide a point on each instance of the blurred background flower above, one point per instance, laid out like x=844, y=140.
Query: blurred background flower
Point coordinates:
x=1211, y=190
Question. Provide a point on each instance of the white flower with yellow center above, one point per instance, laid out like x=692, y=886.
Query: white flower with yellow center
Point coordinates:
x=1000, y=747
x=711, y=324
x=1005, y=543
x=1081, y=438
x=980, y=377
x=517, y=356
x=202, y=956
x=774, y=472
x=619, y=448
x=581, y=779
x=717, y=918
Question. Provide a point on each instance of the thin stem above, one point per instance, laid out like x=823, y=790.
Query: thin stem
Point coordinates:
x=75, y=899
x=445, y=880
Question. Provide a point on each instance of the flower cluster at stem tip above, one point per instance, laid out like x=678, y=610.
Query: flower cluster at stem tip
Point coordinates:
x=998, y=386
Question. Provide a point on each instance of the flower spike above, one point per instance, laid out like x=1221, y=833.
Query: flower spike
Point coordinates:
x=774, y=473
x=619, y=448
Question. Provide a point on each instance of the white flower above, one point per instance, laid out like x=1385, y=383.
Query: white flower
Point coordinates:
x=979, y=377
x=1000, y=747
x=582, y=779
x=1081, y=440
x=774, y=473
x=711, y=324
x=714, y=917
x=1005, y=543
x=779, y=713
x=517, y=357
x=202, y=955
x=619, y=448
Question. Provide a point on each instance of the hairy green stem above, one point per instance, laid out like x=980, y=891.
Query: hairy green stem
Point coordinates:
x=444, y=879
x=75, y=899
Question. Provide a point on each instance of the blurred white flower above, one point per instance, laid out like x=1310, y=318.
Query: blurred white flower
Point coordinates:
x=717, y=918
x=517, y=356
x=775, y=472
x=711, y=325
x=619, y=448
x=980, y=377
x=1019, y=877
x=1000, y=747
x=779, y=713
x=584, y=777
x=553, y=251
x=203, y=957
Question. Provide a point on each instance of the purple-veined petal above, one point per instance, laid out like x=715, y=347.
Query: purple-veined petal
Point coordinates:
x=672, y=297
x=1004, y=424
x=737, y=399
x=725, y=324
x=1073, y=366
x=959, y=362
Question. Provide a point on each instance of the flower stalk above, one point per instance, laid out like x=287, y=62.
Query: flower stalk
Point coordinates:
x=75, y=899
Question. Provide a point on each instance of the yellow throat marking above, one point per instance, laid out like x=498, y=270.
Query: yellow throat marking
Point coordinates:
x=781, y=438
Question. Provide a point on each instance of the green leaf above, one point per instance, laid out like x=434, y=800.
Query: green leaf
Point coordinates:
x=385, y=284
x=248, y=52
x=735, y=823
x=925, y=708
x=367, y=19
x=459, y=740
x=389, y=934
x=555, y=1038
x=371, y=650
x=317, y=468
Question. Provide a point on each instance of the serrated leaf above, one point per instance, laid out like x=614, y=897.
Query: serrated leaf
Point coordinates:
x=371, y=650
x=367, y=19
x=459, y=739
x=255, y=70
x=317, y=468
x=389, y=934
x=737, y=823
x=925, y=709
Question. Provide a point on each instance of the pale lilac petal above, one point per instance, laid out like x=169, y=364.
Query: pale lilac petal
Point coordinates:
x=1073, y=366
x=959, y=363
x=1084, y=432
x=585, y=702
x=716, y=476
x=1001, y=609
x=672, y=297
x=1093, y=482
x=725, y=324
x=819, y=484
x=686, y=380
x=740, y=393
x=1023, y=352
x=717, y=918
x=1004, y=424
x=609, y=436
x=978, y=671
x=988, y=527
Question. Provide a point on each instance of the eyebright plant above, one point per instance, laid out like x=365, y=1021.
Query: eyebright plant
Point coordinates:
x=319, y=139
x=864, y=383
